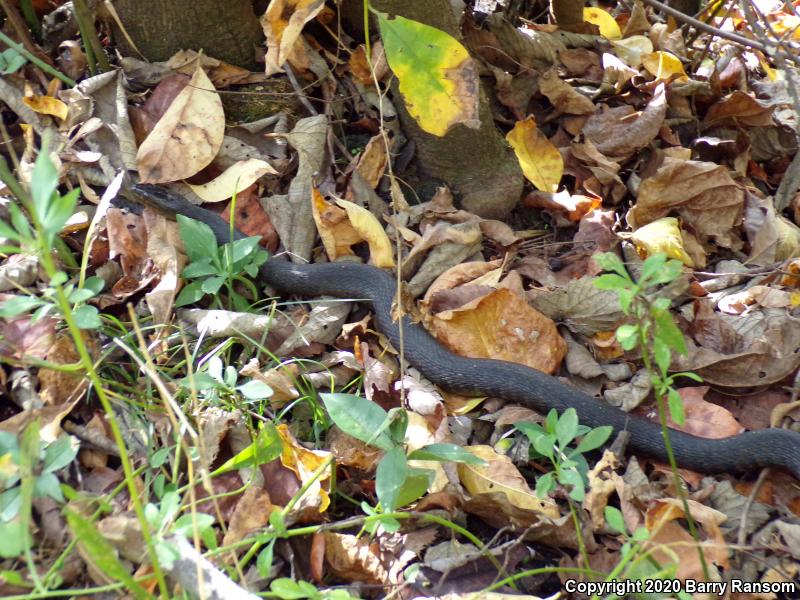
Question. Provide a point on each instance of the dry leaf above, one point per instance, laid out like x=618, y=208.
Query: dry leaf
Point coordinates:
x=563, y=96
x=501, y=476
x=540, y=160
x=370, y=230
x=187, y=137
x=303, y=463
x=503, y=326
x=335, y=230
x=234, y=179
x=283, y=22
x=47, y=105
x=664, y=65
x=662, y=235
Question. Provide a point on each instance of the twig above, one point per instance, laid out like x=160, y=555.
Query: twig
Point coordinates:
x=766, y=48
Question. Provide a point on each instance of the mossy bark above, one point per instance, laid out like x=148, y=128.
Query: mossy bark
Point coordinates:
x=225, y=29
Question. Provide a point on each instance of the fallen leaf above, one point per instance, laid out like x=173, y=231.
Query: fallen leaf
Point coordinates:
x=335, y=229
x=738, y=110
x=540, y=160
x=47, y=105
x=705, y=419
x=608, y=26
x=703, y=195
x=303, y=463
x=500, y=475
x=234, y=179
x=283, y=22
x=364, y=222
x=662, y=235
x=187, y=137
x=355, y=558
x=503, y=326
x=563, y=96
x=664, y=65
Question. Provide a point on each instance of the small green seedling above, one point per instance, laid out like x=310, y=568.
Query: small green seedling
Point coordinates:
x=212, y=266
x=554, y=441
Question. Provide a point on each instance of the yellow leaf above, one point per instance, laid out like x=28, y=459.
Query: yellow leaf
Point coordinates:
x=608, y=26
x=283, y=22
x=631, y=49
x=237, y=177
x=664, y=65
x=304, y=462
x=365, y=223
x=500, y=475
x=335, y=230
x=438, y=78
x=47, y=105
x=187, y=137
x=662, y=235
x=540, y=160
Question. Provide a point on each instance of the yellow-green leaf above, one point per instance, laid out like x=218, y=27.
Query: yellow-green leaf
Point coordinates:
x=608, y=26
x=540, y=160
x=438, y=79
x=368, y=227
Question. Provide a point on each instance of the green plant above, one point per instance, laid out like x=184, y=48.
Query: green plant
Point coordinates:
x=37, y=461
x=11, y=61
x=397, y=483
x=653, y=329
x=49, y=212
x=289, y=589
x=212, y=266
x=216, y=381
x=553, y=442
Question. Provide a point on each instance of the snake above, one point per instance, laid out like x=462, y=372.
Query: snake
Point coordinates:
x=513, y=382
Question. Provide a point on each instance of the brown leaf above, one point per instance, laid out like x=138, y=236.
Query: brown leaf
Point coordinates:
x=282, y=22
x=619, y=131
x=250, y=514
x=355, y=558
x=187, y=137
x=563, y=96
x=21, y=336
x=503, y=326
x=703, y=418
x=738, y=110
x=703, y=194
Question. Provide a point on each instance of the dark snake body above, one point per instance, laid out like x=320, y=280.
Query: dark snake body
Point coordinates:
x=485, y=377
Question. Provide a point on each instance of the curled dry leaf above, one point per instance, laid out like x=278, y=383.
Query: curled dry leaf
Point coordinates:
x=703, y=194
x=187, y=137
x=355, y=558
x=370, y=230
x=619, y=131
x=233, y=180
x=563, y=96
x=662, y=235
x=503, y=326
x=540, y=160
x=703, y=418
x=500, y=475
x=283, y=22
x=303, y=463
x=47, y=105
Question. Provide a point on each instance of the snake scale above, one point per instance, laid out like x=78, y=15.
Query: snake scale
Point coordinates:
x=486, y=377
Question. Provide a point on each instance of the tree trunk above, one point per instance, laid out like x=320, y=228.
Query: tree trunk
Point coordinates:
x=223, y=29
x=477, y=164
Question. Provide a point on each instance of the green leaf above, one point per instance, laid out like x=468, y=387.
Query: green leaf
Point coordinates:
x=287, y=589
x=199, y=268
x=416, y=484
x=243, y=248
x=19, y=221
x=60, y=453
x=255, y=390
x=650, y=268
x=11, y=61
x=58, y=213
x=628, y=336
x=594, y=439
x=572, y=479
x=266, y=447
x=446, y=452
x=669, y=272
x=190, y=294
x=212, y=284
x=198, y=240
x=675, y=404
x=689, y=375
x=544, y=445
x=608, y=261
x=360, y=418
x=103, y=554
x=614, y=519
x=398, y=425
x=186, y=524
x=44, y=181
x=14, y=538
x=87, y=317
x=47, y=485
x=567, y=427
x=10, y=503
x=545, y=484
x=390, y=476
x=437, y=77
x=551, y=420
x=7, y=231
x=610, y=282
x=661, y=354
x=264, y=560
x=17, y=305
x=668, y=332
